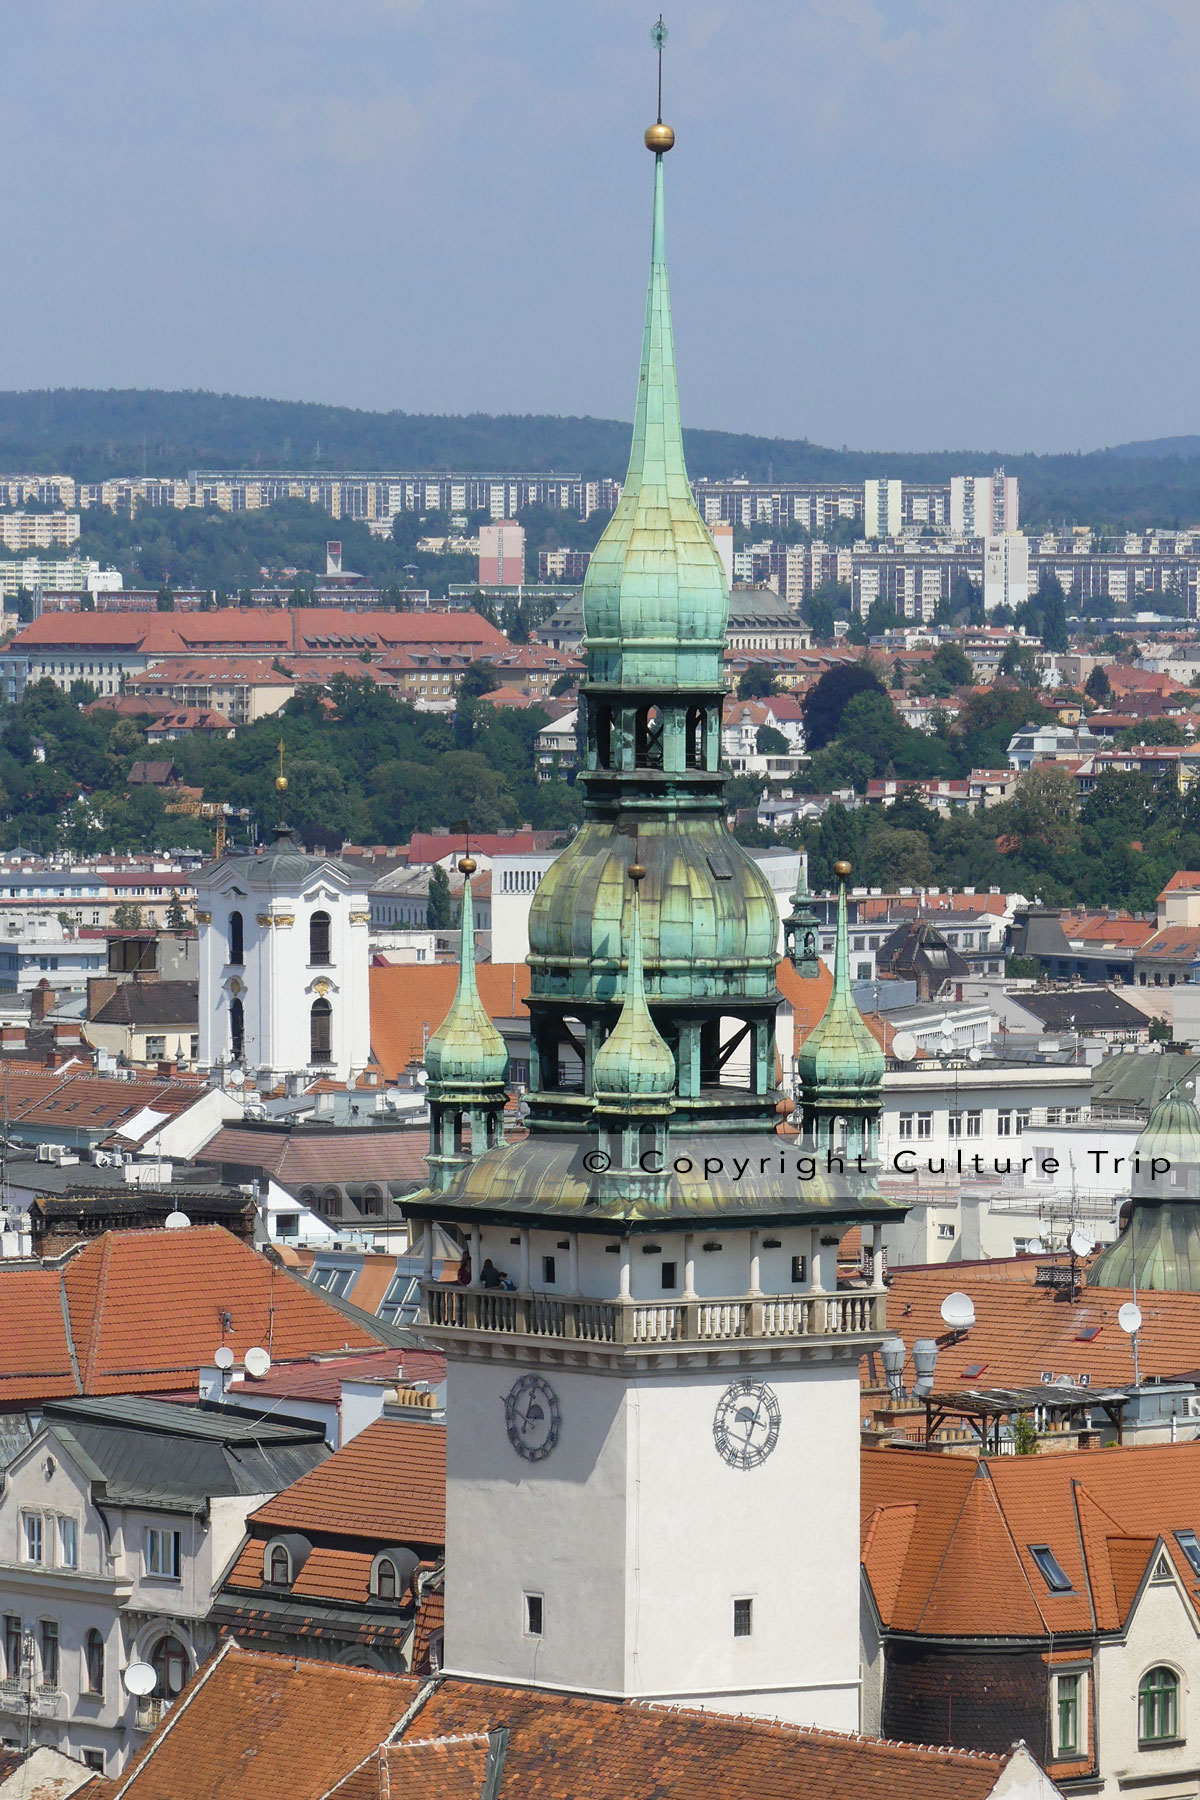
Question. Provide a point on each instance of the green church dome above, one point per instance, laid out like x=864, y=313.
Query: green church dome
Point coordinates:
x=635, y=1061
x=840, y=1059
x=466, y=1050
x=1160, y=1245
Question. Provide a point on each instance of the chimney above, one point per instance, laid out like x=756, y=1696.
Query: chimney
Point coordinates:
x=41, y=1001
x=167, y=1069
x=66, y=1031
x=99, y=989
x=12, y=1037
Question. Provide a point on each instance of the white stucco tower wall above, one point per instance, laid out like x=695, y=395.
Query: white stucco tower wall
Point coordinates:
x=283, y=937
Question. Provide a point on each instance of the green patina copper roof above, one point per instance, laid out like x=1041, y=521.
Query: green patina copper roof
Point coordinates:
x=655, y=598
x=466, y=1050
x=635, y=1061
x=839, y=1059
x=1160, y=1246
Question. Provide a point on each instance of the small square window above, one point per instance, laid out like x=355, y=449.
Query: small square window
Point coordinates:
x=799, y=1268
x=668, y=1277
x=743, y=1618
x=548, y=1272
x=94, y=1759
x=533, y=1615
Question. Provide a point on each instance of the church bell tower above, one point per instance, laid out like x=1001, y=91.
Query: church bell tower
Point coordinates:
x=653, y=1392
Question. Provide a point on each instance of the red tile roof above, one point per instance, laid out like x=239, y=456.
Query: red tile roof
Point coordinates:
x=410, y=1000
x=388, y=1483
x=321, y=1378
x=374, y=1153
x=257, y=1726
x=141, y=1311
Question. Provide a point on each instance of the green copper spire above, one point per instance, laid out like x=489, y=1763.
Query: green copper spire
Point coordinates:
x=655, y=599
x=634, y=1062
x=839, y=1066
x=466, y=1051
x=1160, y=1246
x=801, y=931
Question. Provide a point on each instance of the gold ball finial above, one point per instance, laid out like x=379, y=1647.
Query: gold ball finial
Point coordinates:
x=467, y=865
x=281, y=783
x=636, y=873
x=659, y=138
x=841, y=869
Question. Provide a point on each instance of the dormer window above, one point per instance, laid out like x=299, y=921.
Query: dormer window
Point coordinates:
x=281, y=1567
x=385, y=1579
x=392, y=1575
x=283, y=1559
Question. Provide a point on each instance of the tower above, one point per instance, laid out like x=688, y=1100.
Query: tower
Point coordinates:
x=1159, y=1245
x=284, y=961
x=652, y=1435
x=466, y=1062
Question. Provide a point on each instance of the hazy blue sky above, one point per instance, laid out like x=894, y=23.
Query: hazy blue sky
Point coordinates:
x=909, y=223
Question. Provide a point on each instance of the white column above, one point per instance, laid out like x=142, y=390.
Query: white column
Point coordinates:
x=475, y=1256
x=877, y=1255
x=689, y=1265
x=755, y=1283
x=814, y=1260
x=626, y=1268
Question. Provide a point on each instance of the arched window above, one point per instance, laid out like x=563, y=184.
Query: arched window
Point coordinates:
x=372, y=1201
x=320, y=1032
x=385, y=1579
x=281, y=1566
x=169, y=1660
x=236, y=938
x=93, y=1657
x=1158, y=1706
x=237, y=1030
x=318, y=938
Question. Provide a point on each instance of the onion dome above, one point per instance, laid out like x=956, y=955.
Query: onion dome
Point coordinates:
x=1160, y=1245
x=466, y=1050
x=840, y=1059
x=635, y=1061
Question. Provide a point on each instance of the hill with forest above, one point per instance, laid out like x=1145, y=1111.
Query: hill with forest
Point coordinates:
x=93, y=434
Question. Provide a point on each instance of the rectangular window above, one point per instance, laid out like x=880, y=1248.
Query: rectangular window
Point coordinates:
x=548, y=1270
x=743, y=1618
x=1023, y=1118
x=799, y=1268
x=162, y=1553
x=974, y=1124
x=906, y=1125
x=1053, y=1115
x=93, y=1759
x=954, y=1125
x=924, y=1125
x=68, y=1544
x=1004, y=1124
x=31, y=1534
x=945, y=1231
x=533, y=1615
x=13, y=1647
x=156, y=1049
x=1052, y=1571
x=49, y=1636
x=1190, y=1545
x=668, y=1277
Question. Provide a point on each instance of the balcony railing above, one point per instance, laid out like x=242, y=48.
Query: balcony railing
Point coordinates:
x=634, y=1323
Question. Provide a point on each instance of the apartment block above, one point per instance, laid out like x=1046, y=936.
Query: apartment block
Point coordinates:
x=38, y=531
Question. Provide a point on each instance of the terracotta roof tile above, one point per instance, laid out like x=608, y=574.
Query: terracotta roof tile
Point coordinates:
x=321, y=1378
x=410, y=1000
x=388, y=1483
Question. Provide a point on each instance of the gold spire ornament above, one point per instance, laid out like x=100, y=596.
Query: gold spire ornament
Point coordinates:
x=281, y=783
x=659, y=137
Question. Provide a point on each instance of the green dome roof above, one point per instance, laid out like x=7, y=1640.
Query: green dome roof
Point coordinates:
x=655, y=597
x=1160, y=1246
x=634, y=1062
x=466, y=1050
x=840, y=1058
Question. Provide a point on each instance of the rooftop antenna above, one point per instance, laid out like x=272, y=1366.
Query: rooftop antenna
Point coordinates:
x=658, y=37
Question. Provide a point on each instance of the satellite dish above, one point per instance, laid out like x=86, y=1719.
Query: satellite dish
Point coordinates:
x=223, y=1358
x=140, y=1679
x=1130, y=1318
x=257, y=1362
x=947, y=1037
x=904, y=1046
x=1035, y=1246
x=177, y=1221
x=958, y=1311
x=235, y=1077
x=975, y=1053
x=1082, y=1241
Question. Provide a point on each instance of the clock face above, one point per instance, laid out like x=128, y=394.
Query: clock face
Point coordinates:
x=746, y=1424
x=532, y=1417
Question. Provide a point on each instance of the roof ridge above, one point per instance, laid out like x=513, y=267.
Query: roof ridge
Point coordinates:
x=93, y=1348
x=791, y=1726
x=967, y=1494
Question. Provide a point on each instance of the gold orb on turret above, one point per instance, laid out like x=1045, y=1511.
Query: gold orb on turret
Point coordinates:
x=841, y=869
x=636, y=873
x=659, y=138
x=467, y=865
x=281, y=783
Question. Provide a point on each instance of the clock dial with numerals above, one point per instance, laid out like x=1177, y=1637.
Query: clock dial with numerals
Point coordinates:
x=532, y=1417
x=746, y=1424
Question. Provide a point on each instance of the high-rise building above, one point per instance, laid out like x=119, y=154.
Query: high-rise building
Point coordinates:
x=983, y=505
x=653, y=1393
x=1005, y=570
x=883, y=514
x=501, y=554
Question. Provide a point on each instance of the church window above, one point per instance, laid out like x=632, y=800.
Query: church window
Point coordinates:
x=668, y=1277
x=318, y=938
x=236, y=938
x=320, y=1032
x=548, y=1267
x=743, y=1618
x=533, y=1615
x=799, y=1268
x=236, y=1030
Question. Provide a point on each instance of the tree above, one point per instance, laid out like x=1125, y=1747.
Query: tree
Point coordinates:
x=1159, y=1032
x=127, y=917
x=770, y=742
x=176, y=916
x=1152, y=731
x=478, y=678
x=165, y=599
x=827, y=700
x=438, y=909
x=756, y=683
x=1098, y=687
x=948, y=668
x=1042, y=810
x=1050, y=604
x=1019, y=663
